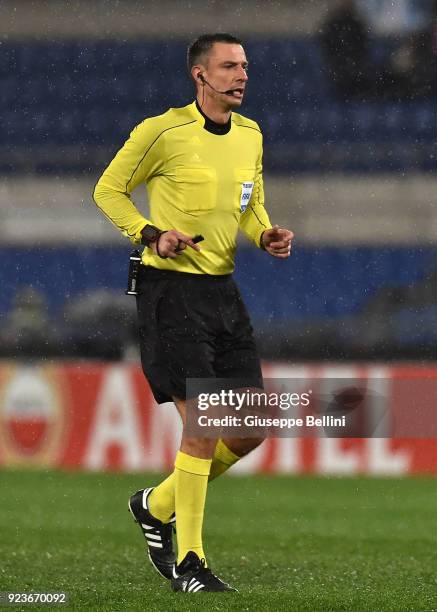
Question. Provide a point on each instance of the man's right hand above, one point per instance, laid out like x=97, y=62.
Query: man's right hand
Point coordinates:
x=171, y=243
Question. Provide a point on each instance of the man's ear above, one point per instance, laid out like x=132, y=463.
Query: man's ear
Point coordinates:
x=197, y=75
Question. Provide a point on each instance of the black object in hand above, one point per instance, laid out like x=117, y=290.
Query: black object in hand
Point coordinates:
x=197, y=238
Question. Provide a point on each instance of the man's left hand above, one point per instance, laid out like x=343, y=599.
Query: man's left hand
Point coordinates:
x=277, y=241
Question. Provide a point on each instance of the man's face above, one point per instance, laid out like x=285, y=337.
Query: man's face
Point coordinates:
x=226, y=70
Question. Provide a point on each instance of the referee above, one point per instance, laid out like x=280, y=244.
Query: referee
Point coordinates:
x=202, y=166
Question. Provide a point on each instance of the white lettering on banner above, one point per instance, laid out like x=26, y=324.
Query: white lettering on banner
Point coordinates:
x=333, y=459
x=329, y=456
x=163, y=438
x=383, y=460
x=328, y=372
x=288, y=373
x=379, y=413
x=115, y=422
x=288, y=455
x=252, y=463
x=331, y=375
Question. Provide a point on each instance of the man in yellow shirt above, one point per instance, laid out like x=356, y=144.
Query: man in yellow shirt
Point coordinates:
x=202, y=165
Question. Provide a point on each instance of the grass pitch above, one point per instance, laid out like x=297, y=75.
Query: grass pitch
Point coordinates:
x=286, y=543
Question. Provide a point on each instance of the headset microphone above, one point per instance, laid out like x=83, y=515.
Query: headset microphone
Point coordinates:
x=204, y=81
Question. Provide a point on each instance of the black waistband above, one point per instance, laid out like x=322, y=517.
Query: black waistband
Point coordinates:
x=157, y=274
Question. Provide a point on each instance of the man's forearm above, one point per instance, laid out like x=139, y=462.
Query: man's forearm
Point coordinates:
x=120, y=210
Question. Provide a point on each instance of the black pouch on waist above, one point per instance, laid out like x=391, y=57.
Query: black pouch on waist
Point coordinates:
x=133, y=273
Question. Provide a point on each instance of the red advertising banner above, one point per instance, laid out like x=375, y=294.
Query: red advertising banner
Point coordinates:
x=103, y=417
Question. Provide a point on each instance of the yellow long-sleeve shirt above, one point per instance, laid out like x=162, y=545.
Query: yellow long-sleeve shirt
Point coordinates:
x=198, y=182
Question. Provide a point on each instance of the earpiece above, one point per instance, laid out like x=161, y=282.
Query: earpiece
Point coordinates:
x=201, y=77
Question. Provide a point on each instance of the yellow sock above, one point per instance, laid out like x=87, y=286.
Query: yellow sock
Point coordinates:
x=161, y=500
x=223, y=459
x=191, y=482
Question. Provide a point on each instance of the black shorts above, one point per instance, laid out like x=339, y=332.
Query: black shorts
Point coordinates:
x=193, y=326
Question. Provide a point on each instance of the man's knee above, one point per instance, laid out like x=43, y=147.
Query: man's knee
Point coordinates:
x=242, y=446
x=198, y=447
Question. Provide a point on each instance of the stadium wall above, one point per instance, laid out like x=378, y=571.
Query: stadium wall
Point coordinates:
x=131, y=19
x=338, y=210
x=85, y=416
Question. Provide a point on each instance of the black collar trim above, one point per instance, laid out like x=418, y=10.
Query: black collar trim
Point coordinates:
x=220, y=129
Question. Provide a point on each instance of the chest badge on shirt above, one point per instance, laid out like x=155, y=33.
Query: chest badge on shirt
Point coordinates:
x=246, y=194
x=195, y=158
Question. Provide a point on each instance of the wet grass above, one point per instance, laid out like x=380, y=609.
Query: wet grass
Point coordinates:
x=287, y=543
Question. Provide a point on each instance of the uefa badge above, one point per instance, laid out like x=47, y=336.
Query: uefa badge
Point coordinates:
x=32, y=415
x=246, y=194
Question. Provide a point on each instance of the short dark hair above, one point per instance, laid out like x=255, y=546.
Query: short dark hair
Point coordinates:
x=202, y=45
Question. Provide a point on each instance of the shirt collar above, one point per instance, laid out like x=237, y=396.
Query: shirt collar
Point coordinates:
x=220, y=129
